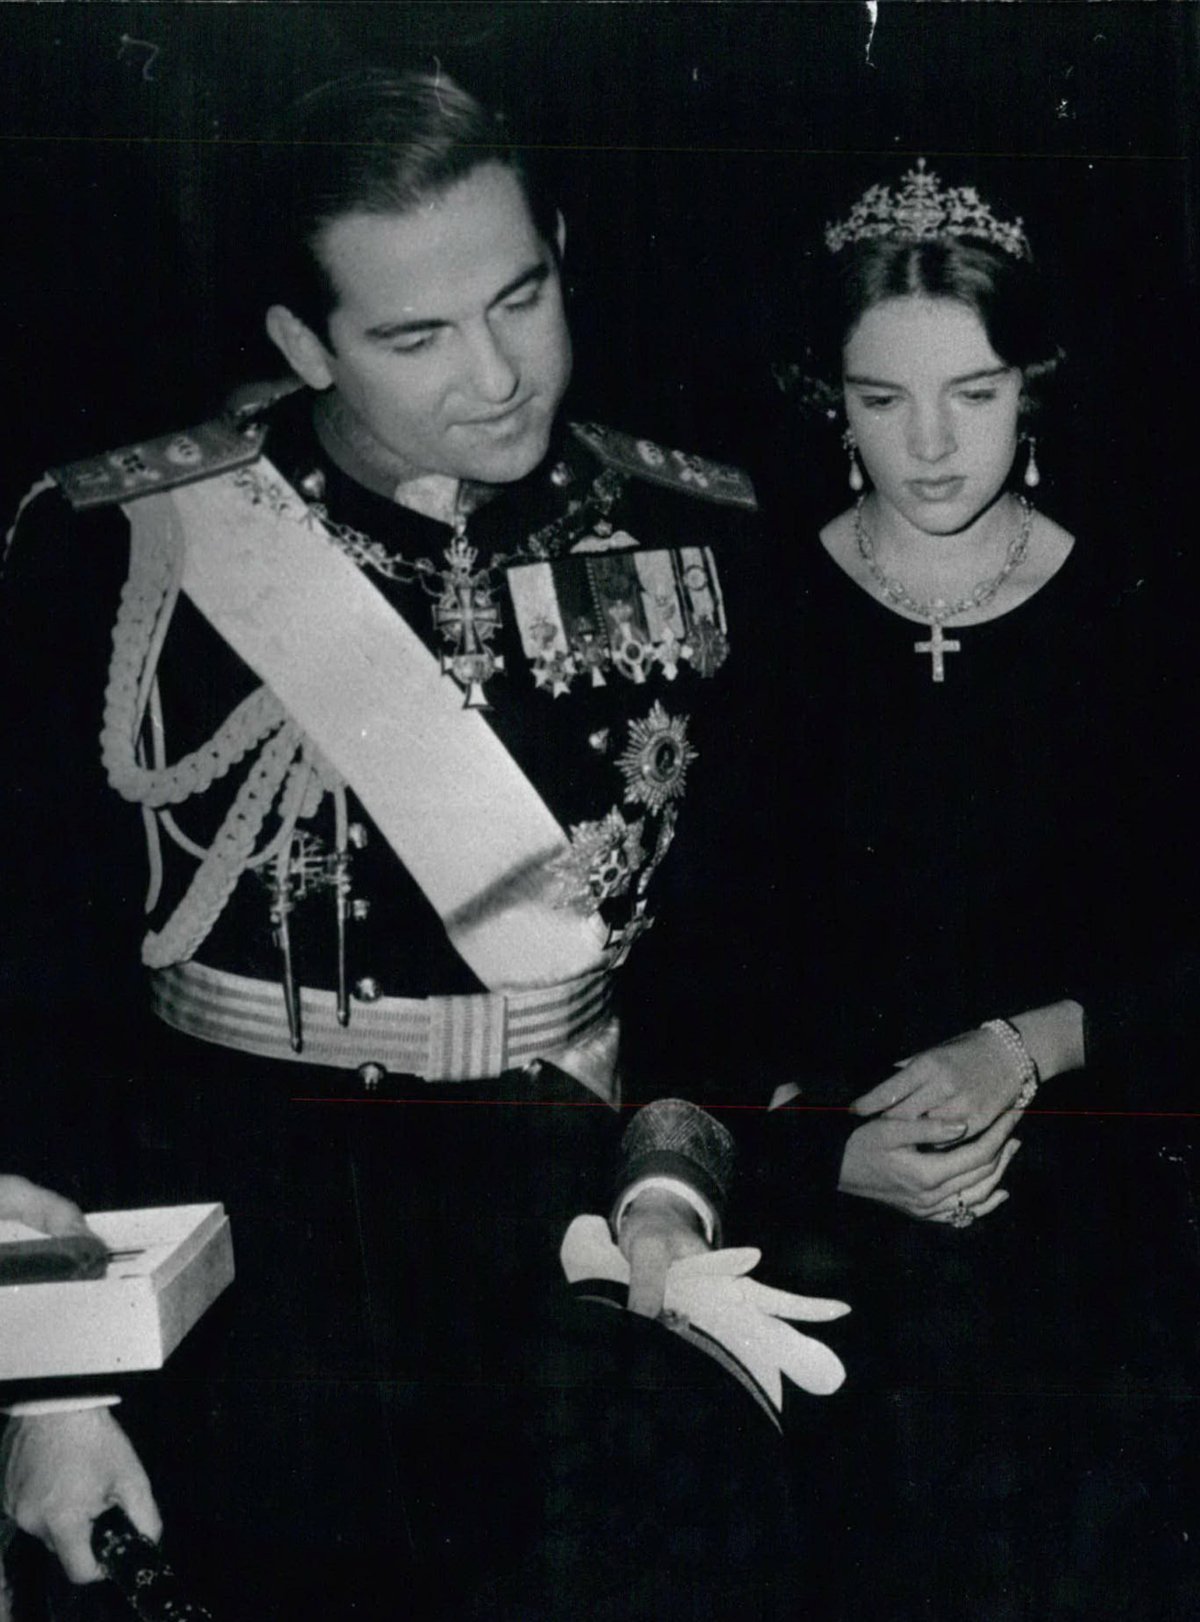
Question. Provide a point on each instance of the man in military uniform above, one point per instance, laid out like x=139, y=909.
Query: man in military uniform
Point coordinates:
x=409, y=686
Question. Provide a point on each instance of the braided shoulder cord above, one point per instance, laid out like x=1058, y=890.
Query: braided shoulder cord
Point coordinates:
x=285, y=760
x=147, y=602
x=227, y=857
x=43, y=484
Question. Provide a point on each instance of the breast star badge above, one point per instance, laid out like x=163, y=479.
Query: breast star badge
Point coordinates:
x=601, y=863
x=655, y=761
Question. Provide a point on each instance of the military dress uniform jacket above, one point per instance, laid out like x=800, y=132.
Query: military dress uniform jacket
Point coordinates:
x=324, y=1423
x=592, y=617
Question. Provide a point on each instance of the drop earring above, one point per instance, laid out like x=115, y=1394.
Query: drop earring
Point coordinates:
x=1032, y=477
x=855, y=475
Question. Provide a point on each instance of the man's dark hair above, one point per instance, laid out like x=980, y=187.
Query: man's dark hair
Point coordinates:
x=375, y=143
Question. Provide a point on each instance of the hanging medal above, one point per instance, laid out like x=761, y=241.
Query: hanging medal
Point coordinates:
x=468, y=617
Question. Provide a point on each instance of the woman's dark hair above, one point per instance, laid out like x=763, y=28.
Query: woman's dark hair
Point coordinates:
x=1007, y=293
x=373, y=143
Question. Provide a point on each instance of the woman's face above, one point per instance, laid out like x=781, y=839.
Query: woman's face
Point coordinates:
x=933, y=409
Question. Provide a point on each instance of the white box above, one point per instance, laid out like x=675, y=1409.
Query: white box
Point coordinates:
x=133, y=1317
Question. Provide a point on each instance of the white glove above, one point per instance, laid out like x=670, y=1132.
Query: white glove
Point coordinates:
x=712, y=1293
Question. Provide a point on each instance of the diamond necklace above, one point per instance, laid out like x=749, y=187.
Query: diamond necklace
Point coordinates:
x=938, y=612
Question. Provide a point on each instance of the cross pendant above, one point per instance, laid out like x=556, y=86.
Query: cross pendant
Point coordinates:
x=937, y=647
x=468, y=616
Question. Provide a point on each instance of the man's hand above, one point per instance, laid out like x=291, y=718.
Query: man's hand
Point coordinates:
x=61, y=1471
x=23, y=1201
x=657, y=1229
x=890, y=1160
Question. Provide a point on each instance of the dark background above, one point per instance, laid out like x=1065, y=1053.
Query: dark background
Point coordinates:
x=699, y=149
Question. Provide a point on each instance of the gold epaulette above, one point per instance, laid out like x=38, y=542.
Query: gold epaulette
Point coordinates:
x=153, y=465
x=678, y=470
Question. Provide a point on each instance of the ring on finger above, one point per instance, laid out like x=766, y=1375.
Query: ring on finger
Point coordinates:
x=961, y=1217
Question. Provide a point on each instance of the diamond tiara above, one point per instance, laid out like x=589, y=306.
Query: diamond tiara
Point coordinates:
x=920, y=211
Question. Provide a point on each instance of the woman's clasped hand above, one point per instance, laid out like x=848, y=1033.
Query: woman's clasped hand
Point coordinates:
x=928, y=1168
x=938, y=1138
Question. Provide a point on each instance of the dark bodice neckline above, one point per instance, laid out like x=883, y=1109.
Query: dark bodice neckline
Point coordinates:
x=944, y=831
x=1043, y=600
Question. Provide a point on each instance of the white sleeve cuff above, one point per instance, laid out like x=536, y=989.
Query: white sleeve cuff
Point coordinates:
x=38, y=1406
x=670, y=1185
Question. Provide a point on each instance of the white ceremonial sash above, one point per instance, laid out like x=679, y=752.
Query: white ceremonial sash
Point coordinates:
x=434, y=778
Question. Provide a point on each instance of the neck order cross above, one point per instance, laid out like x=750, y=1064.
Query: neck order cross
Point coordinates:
x=936, y=611
x=466, y=612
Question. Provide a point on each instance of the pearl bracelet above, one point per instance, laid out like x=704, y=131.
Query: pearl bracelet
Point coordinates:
x=1031, y=1077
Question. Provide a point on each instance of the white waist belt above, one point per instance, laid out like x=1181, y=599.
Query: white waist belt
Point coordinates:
x=436, y=1038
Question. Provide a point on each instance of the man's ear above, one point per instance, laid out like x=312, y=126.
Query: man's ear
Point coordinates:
x=299, y=346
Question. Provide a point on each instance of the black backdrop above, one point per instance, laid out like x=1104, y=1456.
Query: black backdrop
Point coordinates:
x=698, y=149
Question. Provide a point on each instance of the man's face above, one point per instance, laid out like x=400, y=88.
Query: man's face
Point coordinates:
x=448, y=342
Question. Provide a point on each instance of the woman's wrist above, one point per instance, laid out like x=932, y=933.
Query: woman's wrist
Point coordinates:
x=1028, y=1074
x=1053, y=1036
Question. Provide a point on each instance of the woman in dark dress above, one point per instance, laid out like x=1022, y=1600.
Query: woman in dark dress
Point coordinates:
x=950, y=778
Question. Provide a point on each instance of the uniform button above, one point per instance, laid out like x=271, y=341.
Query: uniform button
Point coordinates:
x=561, y=475
x=357, y=835
x=371, y=1075
x=367, y=989
x=359, y=908
x=313, y=484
